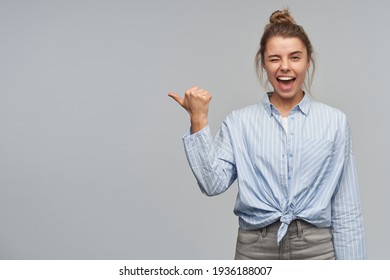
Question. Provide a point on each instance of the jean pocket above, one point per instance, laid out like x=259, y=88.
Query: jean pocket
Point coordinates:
x=317, y=235
x=248, y=237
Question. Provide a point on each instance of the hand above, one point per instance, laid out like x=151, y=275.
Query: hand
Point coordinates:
x=196, y=103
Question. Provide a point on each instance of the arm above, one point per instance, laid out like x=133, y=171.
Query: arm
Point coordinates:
x=347, y=219
x=211, y=160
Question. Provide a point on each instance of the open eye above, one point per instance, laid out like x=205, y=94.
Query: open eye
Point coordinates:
x=295, y=58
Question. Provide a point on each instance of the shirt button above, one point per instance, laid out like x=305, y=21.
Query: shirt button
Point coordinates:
x=291, y=155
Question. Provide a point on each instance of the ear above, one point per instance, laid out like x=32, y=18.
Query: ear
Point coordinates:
x=263, y=65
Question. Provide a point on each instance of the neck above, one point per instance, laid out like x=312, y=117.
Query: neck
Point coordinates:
x=285, y=105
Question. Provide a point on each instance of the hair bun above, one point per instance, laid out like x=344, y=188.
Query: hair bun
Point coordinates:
x=282, y=16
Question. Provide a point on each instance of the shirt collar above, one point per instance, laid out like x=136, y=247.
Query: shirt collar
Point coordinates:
x=303, y=106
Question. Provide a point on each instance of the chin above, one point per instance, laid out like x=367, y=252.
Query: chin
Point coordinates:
x=286, y=95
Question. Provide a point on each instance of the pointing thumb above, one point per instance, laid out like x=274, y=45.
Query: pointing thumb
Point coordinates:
x=177, y=98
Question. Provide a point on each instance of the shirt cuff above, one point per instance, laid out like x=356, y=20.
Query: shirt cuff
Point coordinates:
x=192, y=140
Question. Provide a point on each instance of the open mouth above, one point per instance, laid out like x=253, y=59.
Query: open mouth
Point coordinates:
x=285, y=82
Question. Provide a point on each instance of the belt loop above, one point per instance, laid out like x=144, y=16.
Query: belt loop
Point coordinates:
x=264, y=232
x=299, y=229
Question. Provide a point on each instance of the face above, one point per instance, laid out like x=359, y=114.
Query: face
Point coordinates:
x=286, y=63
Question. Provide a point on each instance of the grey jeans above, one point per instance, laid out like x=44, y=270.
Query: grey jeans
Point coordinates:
x=303, y=241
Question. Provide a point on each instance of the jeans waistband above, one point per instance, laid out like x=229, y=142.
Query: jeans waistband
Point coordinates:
x=294, y=226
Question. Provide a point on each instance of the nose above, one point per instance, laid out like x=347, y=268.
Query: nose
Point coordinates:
x=285, y=65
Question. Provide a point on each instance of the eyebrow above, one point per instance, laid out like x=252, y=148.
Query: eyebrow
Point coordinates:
x=296, y=52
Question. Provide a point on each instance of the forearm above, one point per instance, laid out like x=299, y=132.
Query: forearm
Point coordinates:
x=198, y=123
x=348, y=236
x=347, y=217
x=208, y=162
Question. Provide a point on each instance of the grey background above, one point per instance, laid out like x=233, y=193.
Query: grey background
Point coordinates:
x=91, y=158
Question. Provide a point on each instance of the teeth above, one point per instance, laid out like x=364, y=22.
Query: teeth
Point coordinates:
x=285, y=78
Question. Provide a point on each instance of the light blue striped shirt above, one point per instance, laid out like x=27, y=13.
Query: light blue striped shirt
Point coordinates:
x=307, y=172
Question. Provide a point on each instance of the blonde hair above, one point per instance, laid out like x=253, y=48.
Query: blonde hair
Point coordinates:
x=281, y=23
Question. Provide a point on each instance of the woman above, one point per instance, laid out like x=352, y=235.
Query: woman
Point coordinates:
x=292, y=157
